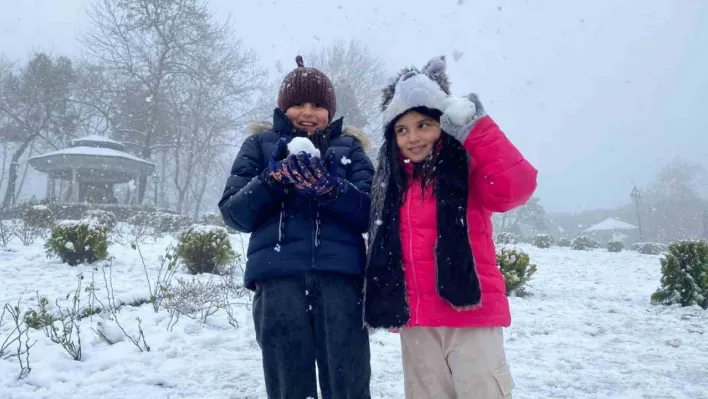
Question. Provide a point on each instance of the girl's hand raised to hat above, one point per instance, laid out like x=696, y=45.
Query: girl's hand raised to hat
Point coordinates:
x=460, y=114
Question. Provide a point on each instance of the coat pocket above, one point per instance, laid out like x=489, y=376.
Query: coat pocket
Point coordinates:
x=504, y=380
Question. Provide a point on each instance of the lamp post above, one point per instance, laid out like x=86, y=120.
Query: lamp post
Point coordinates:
x=636, y=195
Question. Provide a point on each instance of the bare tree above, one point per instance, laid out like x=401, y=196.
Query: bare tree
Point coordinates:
x=354, y=71
x=178, y=80
x=35, y=101
x=531, y=215
x=139, y=45
x=672, y=206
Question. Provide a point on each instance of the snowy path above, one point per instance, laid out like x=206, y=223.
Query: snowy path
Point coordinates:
x=586, y=331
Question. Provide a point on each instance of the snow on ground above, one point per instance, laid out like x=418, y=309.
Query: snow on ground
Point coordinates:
x=586, y=331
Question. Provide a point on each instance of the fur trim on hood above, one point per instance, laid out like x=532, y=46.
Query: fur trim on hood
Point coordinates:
x=347, y=130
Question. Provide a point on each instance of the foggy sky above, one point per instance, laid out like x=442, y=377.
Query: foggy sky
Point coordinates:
x=596, y=94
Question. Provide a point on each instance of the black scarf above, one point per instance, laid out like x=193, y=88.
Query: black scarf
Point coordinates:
x=385, y=297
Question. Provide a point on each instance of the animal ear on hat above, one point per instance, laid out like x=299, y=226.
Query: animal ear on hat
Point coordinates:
x=435, y=68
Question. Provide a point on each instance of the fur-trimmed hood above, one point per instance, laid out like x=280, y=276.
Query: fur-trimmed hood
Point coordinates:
x=347, y=130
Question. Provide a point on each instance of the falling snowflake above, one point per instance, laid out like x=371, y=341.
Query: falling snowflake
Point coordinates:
x=277, y=248
x=148, y=99
x=346, y=161
x=407, y=161
x=378, y=222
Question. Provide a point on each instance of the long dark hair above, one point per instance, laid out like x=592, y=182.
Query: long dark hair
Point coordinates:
x=445, y=149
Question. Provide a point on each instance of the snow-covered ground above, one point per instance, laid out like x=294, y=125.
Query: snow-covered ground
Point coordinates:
x=586, y=331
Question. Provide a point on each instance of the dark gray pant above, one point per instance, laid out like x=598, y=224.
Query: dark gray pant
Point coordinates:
x=313, y=317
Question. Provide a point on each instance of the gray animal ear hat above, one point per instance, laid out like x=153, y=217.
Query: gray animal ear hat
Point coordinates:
x=412, y=88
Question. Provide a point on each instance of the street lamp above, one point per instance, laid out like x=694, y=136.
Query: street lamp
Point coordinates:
x=636, y=195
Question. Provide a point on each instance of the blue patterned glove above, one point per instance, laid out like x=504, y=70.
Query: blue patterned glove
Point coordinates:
x=276, y=175
x=310, y=176
x=327, y=180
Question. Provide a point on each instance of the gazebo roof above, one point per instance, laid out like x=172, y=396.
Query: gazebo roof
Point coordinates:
x=611, y=224
x=95, y=158
x=98, y=142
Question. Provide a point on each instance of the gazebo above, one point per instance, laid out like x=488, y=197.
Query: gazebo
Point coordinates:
x=611, y=228
x=93, y=164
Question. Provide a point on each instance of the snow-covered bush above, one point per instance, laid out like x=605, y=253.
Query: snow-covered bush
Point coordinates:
x=38, y=216
x=564, y=242
x=213, y=219
x=543, y=240
x=7, y=231
x=684, y=275
x=205, y=249
x=160, y=222
x=78, y=241
x=615, y=246
x=105, y=218
x=171, y=223
x=142, y=218
x=584, y=243
x=517, y=270
x=507, y=238
x=648, y=248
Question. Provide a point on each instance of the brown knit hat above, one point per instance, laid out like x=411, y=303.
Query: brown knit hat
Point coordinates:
x=307, y=85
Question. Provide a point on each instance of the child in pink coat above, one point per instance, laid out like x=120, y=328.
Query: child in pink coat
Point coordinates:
x=444, y=168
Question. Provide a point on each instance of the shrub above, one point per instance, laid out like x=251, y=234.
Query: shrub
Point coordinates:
x=684, y=275
x=205, y=249
x=105, y=218
x=160, y=222
x=615, y=246
x=7, y=231
x=506, y=238
x=516, y=268
x=584, y=243
x=648, y=248
x=142, y=218
x=170, y=223
x=543, y=240
x=564, y=242
x=39, y=217
x=40, y=319
x=213, y=219
x=76, y=211
x=78, y=241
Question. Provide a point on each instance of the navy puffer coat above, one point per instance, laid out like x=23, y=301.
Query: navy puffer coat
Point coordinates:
x=285, y=229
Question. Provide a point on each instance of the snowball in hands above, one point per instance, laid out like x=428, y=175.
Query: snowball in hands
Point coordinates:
x=460, y=110
x=303, y=144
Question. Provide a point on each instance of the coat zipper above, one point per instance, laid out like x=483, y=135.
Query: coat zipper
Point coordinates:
x=410, y=254
x=313, y=223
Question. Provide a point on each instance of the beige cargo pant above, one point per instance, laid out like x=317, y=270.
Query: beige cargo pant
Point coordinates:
x=455, y=363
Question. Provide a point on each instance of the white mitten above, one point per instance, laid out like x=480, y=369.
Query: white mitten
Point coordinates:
x=460, y=114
